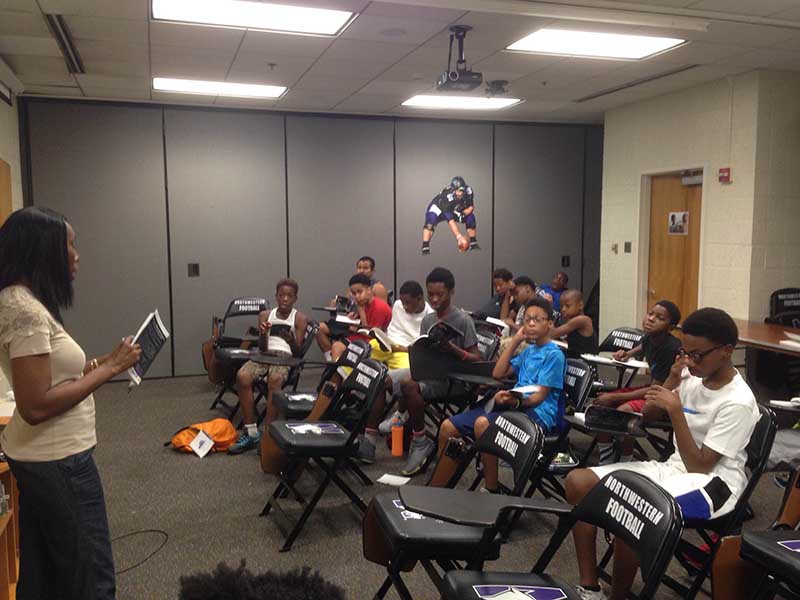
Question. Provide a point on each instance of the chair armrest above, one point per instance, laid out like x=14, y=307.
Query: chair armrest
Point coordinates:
x=472, y=508
x=478, y=380
x=278, y=361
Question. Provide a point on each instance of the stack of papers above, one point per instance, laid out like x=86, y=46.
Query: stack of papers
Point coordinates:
x=791, y=344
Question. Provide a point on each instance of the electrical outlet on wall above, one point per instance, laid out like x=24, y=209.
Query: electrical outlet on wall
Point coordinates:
x=628, y=247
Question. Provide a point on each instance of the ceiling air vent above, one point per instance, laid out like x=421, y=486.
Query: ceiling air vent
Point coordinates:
x=58, y=27
x=635, y=82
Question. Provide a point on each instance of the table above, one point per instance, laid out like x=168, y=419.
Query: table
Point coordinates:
x=764, y=336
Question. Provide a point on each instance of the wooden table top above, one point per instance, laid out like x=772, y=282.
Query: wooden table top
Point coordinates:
x=765, y=336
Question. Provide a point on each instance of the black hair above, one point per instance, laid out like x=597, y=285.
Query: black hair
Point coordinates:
x=542, y=303
x=576, y=293
x=501, y=273
x=672, y=309
x=288, y=283
x=241, y=584
x=412, y=288
x=524, y=280
x=360, y=278
x=369, y=259
x=713, y=324
x=441, y=275
x=33, y=251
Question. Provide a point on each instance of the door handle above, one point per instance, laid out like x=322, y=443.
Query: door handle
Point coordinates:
x=652, y=292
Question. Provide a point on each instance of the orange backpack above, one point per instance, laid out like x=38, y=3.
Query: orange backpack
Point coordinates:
x=219, y=430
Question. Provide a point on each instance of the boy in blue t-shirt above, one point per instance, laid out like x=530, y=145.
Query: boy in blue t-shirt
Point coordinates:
x=542, y=363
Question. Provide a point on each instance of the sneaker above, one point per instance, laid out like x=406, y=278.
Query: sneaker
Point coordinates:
x=366, y=451
x=590, y=594
x=396, y=419
x=419, y=454
x=473, y=246
x=426, y=250
x=245, y=443
x=781, y=481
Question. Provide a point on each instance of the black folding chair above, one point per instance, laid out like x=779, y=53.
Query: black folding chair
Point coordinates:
x=785, y=301
x=406, y=537
x=331, y=444
x=697, y=562
x=621, y=338
x=651, y=528
x=226, y=346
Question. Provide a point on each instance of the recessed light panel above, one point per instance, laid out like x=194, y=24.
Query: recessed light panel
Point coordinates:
x=454, y=102
x=591, y=44
x=253, y=15
x=217, y=88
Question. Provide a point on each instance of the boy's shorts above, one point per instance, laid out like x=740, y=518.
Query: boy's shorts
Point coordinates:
x=636, y=405
x=700, y=495
x=257, y=370
x=438, y=389
x=393, y=360
x=465, y=421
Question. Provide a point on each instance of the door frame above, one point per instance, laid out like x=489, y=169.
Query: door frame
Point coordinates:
x=643, y=258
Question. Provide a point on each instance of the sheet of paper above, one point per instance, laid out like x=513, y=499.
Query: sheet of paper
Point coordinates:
x=526, y=390
x=201, y=444
x=347, y=320
x=580, y=417
x=7, y=408
x=792, y=336
x=395, y=480
x=791, y=344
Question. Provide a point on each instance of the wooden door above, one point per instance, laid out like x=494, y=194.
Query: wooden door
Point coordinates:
x=674, y=242
x=5, y=190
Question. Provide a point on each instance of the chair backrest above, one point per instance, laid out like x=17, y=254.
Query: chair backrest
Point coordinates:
x=622, y=338
x=760, y=444
x=358, y=393
x=243, y=307
x=786, y=319
x=785, y=300
x=488, y=343
x=356, y=351
x=639, y=512
x=310, y=336
x=578, y=383
x=514, y=438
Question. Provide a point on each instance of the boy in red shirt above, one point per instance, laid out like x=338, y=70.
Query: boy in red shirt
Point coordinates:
x=372, y=312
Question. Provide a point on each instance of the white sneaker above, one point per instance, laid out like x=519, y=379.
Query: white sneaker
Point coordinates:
x=590, y=594
x=396, y=419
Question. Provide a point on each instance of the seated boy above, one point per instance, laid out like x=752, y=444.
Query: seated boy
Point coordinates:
x=713, y=413
x=524, y=290
x=576, y=328
x=289, y=327
x=556, y=287
x=366, y=265
x=659, y=347
x=440, y=285
x=372, y=312
x=542, y=363
x=407, y=315
x=502, y=281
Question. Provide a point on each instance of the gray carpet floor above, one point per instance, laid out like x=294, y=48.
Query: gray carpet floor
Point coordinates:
x=209, y=507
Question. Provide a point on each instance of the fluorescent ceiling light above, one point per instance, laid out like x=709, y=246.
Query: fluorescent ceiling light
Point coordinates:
x=592, y=44
x=217, y=88
x=452, y=102
x=253, y=15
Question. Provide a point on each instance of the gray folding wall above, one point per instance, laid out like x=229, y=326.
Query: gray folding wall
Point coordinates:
x=253, y=196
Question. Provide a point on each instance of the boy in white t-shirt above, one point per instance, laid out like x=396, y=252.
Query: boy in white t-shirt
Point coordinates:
x=407, y=315
x=713, y=413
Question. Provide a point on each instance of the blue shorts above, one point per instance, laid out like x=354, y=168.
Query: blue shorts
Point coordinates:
x=465, y=421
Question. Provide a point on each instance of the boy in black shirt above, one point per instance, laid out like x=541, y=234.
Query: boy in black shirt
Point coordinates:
x=659, y=347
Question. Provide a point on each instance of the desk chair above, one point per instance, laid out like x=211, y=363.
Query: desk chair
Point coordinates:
x=687, y=553
x=652, y=540
x=231, y=362
x=621, y=338
x=330, y=443
x=397, y=538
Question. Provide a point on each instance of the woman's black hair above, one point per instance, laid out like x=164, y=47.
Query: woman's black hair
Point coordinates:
x=441, y=275
x=713, y=324
x=33, y=251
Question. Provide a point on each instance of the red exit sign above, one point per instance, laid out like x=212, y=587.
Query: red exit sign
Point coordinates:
x=725, y=175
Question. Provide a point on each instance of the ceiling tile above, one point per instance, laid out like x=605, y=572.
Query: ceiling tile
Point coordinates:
x=671, y=3
x=176, y=61
x=389, y=29
x=222, y=39
x=29, y=45
x=570, y=70
x=245, y=102
x=370, y=103
x=110, y=30
x=255, y=69
x=174, y=98
x=760, y=8
x=792, y=43
x=310, y=100
x=115, y=93
x=347, y=49
x=351, y=5
x=120, y=83
x=28, y=6
x=347, y=69
x=266, y=43
x=117, y=68
x=117, y=9
x=339, y=85
x=404, y=11
x=52, y=90
x=19, y=23
x=793, y=14
x=771, y=58
x=39, y=70
x=381, y=87
x=701, y=53
x=742, y=34
x=113, y=51
x=515, y=62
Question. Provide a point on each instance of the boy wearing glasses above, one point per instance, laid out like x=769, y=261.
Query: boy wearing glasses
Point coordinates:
x=713, y=413
x=542, y=364
x=659, y=348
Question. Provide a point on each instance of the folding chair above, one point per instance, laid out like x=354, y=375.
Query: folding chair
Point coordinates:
x=621, y=338
x=651, y=529
x=331, y=444
x=226, y=345
x=785, y=301
x=687, y=553
x=397, y=538
x=298, y=404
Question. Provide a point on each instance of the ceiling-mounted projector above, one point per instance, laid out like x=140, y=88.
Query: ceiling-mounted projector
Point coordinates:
x=462, y=78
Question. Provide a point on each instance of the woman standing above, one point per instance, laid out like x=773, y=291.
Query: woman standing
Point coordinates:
x=65, y=550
